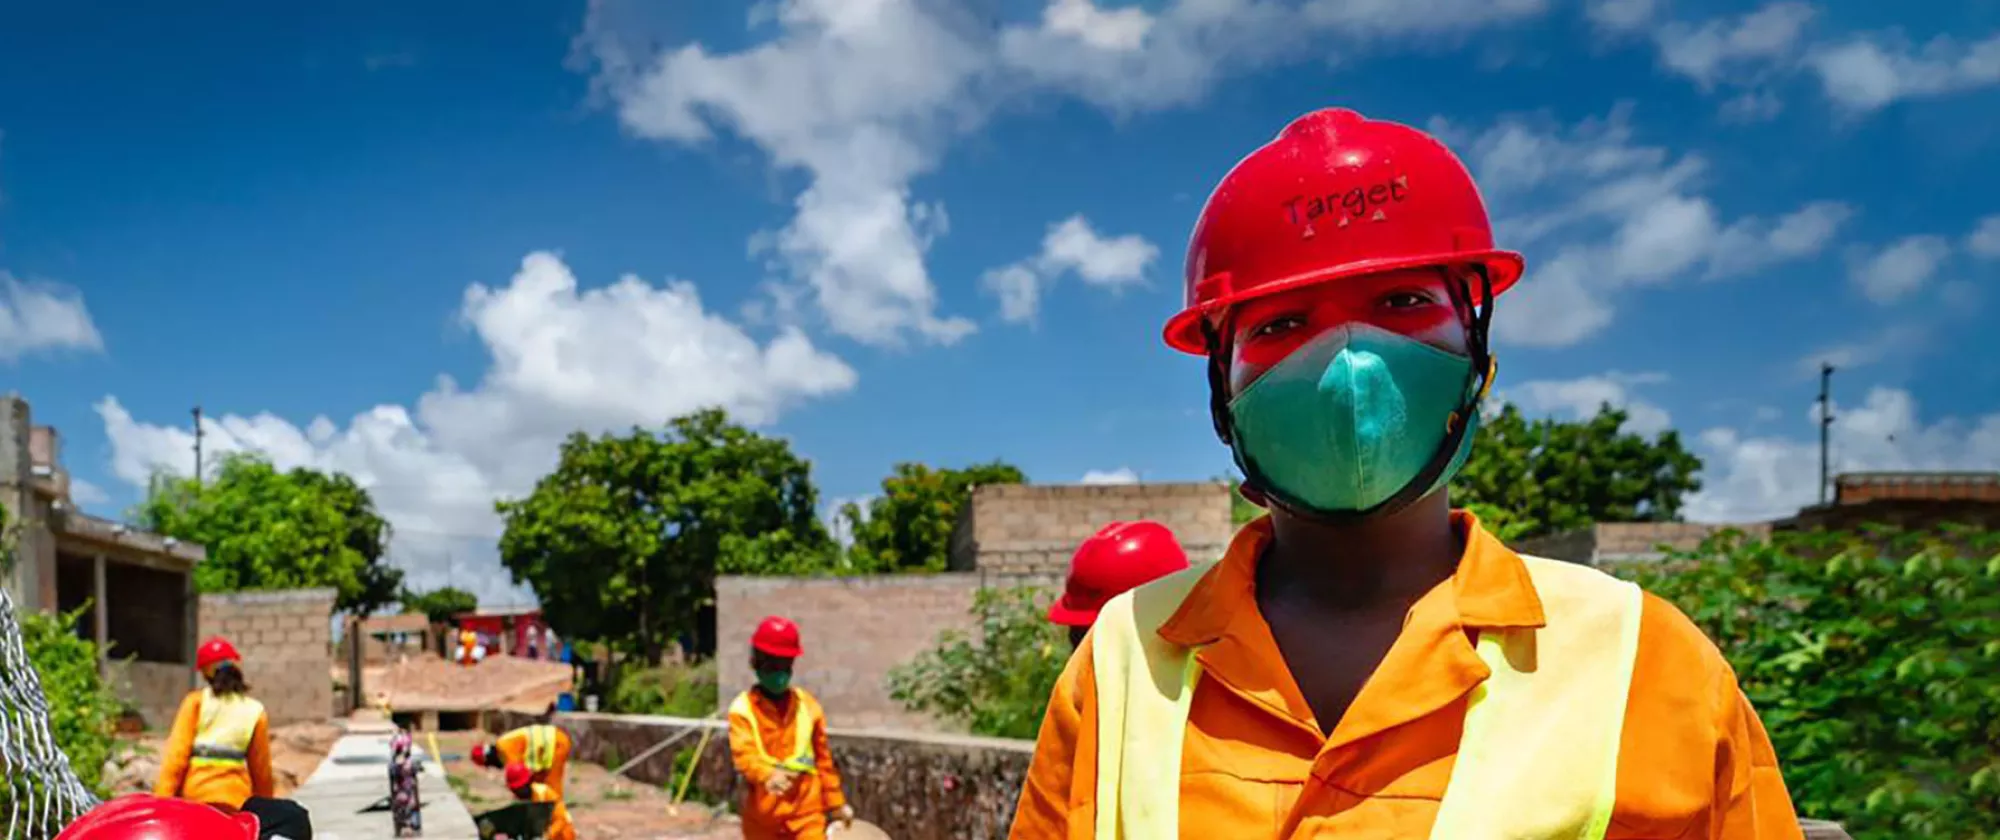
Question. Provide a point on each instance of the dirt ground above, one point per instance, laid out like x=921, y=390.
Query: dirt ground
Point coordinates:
x=296, y=750
x=603, y=806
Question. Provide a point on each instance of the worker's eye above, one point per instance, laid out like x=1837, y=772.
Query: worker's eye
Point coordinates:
x=1406, y=299
x=1278, y=326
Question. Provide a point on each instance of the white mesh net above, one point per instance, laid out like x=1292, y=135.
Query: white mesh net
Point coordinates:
x=42, y=794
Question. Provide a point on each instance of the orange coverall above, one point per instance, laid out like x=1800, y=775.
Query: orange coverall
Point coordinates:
x=797, y=814
x=560, y=827
x=513, y=747
x=1693, y=762
x=208, y=784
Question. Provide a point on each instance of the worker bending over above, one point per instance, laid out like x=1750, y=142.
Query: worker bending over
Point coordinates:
x=540, y=746
x=218, y=751
x=1365, y=661
x=1110, y=562
x=521, y=782
x=777, y=735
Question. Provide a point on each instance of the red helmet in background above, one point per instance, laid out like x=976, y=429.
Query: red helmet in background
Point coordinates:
x=213, y=652
x=1334, y=195
x=1117, y=558
x=777, y=636
x=518, y=775
x=141, y=816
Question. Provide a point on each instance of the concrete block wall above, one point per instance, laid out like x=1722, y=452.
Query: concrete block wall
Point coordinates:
x=1029, y=531
x=286, y=641
x=853, y=629
x=154, y=689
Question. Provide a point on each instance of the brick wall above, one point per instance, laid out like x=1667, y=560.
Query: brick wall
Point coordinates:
x=286, y=641
x=1029, y=530
x=854, y=630
x=154, y=689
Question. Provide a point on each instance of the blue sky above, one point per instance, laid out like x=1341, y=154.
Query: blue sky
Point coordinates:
x=396, y=241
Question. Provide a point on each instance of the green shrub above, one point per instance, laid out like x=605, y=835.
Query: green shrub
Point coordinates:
x=672, y=689
x=997, y=684
x=1873, y=660
x=82, y=709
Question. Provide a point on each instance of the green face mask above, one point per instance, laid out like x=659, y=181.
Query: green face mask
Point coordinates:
x=1351, y=417
x=774, y=683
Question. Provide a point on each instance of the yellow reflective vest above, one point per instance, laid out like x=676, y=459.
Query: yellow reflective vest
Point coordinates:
x=1538, y=759
x=222, y=735
x=801, y=760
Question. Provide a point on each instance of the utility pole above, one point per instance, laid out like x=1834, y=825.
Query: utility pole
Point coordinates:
x=1825, y=423
x=197, y=446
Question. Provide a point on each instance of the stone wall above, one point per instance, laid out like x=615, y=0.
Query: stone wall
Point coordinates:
x=915, y=786
x=1029, y=531
x=854, y=630
x=286, y=641
x=154, y=689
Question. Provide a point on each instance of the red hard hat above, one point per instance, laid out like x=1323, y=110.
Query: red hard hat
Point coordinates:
x=479, y=753
x=518, y=775
x=1334, y=195
x=141, y=816
x=1117, y=558
x=777, y=636
x=214, y=651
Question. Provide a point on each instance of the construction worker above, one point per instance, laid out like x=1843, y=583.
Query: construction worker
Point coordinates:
x=521, y=781
x=218, y=751
x=1365, y=661
x=1118, y=557
x=468, y=645
x=138, y=816
x=777, y=736
x=541, y=746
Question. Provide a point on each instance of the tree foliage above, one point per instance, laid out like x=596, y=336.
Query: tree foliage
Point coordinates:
x=622, y=542
x=83, y=710
x=909, y=526
x=1552, y=475
x=440, y=605
x=997, y=681
x=1873, y=660
x=271, y=529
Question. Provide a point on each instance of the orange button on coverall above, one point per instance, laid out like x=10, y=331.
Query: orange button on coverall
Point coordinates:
x=1693, y=759
x=513, y=747
x=800, y=812
x=226, y=786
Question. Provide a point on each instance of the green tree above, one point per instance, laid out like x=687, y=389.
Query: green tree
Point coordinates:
x=1550, y=476
x=271, y=529
x=908, y=528
x=440, y=604
x=622, y=542
x=997, y=681
x=1874, y=661
x=83, y=711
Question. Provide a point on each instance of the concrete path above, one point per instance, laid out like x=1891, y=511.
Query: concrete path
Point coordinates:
x=356, y=774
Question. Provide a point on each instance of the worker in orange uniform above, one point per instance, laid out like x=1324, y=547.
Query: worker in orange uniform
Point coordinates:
x=777, y=735
x=521, y=781
x=1119, y=556
x=218, y=752
x=468, y=644
x=1365, y=661
x=541, y=746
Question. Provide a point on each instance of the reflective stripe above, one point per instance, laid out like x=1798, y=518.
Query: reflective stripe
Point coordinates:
x=802, y=760
x=1539, y=754
x=540, y=751
x=224, y=728
x=219, y=753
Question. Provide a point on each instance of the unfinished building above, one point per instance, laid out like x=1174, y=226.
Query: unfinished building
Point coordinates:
x=143, y=611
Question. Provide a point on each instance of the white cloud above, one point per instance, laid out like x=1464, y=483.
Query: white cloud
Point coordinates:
x=1070, y=247
x=1886, y=342
x=86, y=494
x=1620, y=16
x=43, y=317
x=1122, y=475
x=1870, y=71
x=1719, y=47
x=864, y=96
x=1580, y=399
x=1984, y=240
x=1599, y=214
x=1899, y=270
x=1749, y=478
x=562, y=359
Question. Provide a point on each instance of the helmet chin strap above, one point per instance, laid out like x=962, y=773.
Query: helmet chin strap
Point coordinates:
x=1477, y=318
